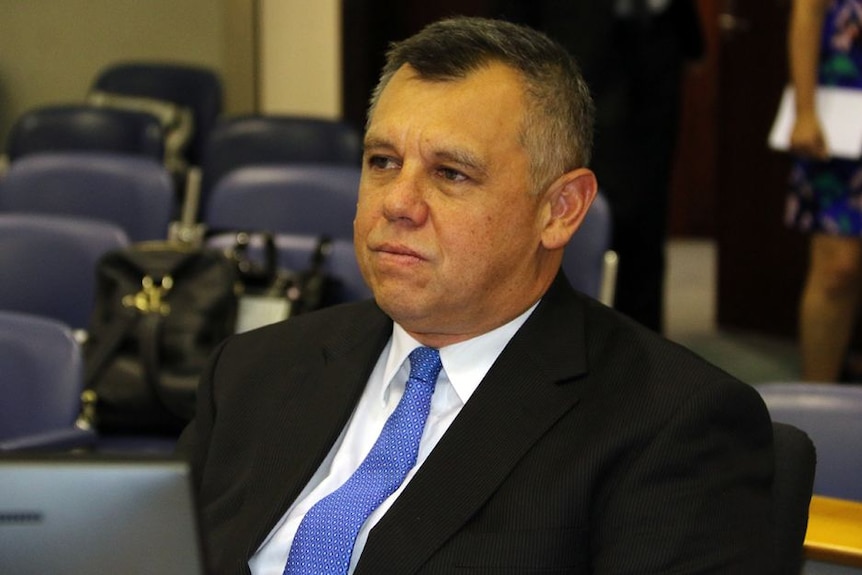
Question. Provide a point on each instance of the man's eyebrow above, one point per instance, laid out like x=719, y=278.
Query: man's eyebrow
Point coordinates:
x=375, y=142
x=461, y=157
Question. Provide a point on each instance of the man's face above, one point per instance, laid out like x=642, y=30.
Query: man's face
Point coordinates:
x=447, y=232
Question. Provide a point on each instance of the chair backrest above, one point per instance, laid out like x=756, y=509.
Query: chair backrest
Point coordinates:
x=795, y=460
x=133, y=192
x=831, y=414
x=588, y=261
x=197, y=88
x=49, y=264
x=270, y=139
x=85, y=128
x=308, y=200
x=41, y=375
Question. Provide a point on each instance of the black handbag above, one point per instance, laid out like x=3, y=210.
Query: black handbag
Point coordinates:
x=161, y=308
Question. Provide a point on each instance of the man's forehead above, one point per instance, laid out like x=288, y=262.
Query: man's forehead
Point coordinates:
x=462, y=117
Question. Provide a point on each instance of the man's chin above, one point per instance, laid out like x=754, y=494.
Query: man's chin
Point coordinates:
x=400, y=306
x=403, y=305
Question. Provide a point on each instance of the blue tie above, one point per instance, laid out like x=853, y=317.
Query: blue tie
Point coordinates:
x=324, y=541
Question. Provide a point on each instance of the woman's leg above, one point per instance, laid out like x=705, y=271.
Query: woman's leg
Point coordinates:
x=828, y=306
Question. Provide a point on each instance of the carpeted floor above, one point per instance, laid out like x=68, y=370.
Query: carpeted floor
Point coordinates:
x=690, y=320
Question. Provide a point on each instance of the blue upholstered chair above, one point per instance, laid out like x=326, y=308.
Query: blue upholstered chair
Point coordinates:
x=49, y=264
x=41, y=379
x=275, y=139
x=194, y=87
x=133, y=192
x=831, y=415
x=301, y=199
x=72, y=127
x=588, y=261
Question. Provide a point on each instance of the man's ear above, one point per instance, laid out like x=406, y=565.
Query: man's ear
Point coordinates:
x=567, y=201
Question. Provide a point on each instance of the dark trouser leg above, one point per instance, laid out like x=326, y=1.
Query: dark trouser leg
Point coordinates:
x=635, y=137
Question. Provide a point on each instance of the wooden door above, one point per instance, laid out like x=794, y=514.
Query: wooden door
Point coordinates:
x=691, y=209
x=761, y=264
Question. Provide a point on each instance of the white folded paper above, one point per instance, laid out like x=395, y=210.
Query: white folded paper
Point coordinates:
x=840, y=113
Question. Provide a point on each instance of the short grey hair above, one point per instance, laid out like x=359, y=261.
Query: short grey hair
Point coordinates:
x=558, y=126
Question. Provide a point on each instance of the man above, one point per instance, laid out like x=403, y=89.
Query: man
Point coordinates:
x=561, y=438
x=633, y=54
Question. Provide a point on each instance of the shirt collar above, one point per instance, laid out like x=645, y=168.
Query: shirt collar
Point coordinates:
x=464, y=364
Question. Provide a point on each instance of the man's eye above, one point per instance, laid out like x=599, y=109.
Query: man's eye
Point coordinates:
x=452, y=175
x=381, y=162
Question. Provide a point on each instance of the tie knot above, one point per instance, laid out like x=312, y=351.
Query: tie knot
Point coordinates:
x=425, y=364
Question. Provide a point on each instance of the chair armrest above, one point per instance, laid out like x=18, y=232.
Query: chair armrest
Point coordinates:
x=834, y=532
x=55, y=440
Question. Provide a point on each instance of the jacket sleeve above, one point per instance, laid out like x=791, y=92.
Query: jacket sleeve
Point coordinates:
x=697, y=497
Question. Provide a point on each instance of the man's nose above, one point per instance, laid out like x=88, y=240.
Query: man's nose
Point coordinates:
x=405, y=198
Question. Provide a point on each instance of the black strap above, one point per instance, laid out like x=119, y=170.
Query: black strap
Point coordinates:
x=149, y=336
x=313, y=281
x=262, y=275
x=102, y=351
x=149, y=328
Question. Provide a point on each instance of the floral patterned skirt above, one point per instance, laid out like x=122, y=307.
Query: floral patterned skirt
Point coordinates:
x=825, y=197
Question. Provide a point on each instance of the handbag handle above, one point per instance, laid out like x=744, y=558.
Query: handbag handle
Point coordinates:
x=313, y=280
x=149, y=335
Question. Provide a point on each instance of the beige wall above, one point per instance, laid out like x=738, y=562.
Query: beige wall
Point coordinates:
x=50, y=50
x=301, y=57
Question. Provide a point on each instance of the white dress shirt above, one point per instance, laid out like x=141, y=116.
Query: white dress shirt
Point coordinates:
x=464, y=366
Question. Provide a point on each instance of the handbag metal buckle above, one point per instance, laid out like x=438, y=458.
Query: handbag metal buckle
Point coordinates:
x=151, y=297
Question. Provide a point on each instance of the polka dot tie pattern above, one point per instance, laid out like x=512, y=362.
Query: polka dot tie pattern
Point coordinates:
x=324, y=541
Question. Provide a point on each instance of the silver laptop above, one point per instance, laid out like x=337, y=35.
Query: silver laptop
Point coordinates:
x=97, y=515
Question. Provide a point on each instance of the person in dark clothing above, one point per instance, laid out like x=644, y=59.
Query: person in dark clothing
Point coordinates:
x=541, y=431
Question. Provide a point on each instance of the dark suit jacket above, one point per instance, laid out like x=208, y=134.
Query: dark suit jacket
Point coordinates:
x=591, y=446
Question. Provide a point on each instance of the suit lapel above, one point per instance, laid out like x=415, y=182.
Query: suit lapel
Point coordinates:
x=329, y=393
x=529, y=387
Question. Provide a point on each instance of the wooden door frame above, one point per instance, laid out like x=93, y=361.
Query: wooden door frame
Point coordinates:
x=693, y=184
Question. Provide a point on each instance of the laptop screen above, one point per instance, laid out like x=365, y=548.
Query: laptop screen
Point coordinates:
x=91, y=514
